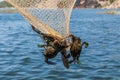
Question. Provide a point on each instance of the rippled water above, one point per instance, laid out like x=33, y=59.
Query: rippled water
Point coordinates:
x=21, y=59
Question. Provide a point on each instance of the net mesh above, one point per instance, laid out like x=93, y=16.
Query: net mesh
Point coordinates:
x=48, y=16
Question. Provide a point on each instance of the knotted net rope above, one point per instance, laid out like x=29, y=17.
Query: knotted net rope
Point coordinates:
x=48, y=16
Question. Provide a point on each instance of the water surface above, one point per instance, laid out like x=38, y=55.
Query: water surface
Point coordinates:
x=21, y=59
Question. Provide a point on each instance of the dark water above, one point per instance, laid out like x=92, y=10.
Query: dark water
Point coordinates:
x=21, y=59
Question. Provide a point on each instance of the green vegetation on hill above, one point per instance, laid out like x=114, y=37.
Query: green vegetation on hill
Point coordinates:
x=4, y=4
x=111, y=1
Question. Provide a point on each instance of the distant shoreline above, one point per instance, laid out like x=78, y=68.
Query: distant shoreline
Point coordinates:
x=13, y=10
x=8, y=10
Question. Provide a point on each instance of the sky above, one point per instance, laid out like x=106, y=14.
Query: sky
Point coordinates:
x=1, y=0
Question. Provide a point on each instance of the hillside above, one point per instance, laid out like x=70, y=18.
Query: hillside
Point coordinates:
x=114, y=5
x=79, y=4
x=97, y=3
x=85, y=4
x=4, y=4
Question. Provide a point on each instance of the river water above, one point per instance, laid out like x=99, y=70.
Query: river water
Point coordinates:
x=21, y=59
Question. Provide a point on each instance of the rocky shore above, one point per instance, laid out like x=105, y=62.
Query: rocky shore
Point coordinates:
x=114, y=5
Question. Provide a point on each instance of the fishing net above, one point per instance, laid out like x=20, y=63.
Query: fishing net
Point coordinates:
x=48, y=16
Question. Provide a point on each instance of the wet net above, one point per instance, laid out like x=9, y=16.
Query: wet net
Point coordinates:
x=48, y=16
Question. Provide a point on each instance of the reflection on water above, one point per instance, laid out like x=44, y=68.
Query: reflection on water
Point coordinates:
x=20, y=57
